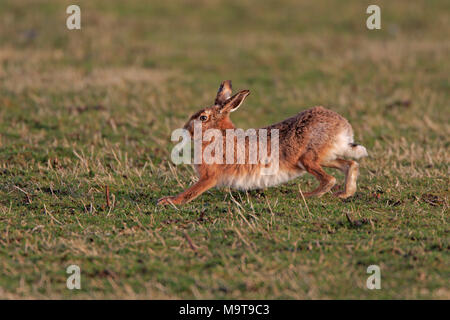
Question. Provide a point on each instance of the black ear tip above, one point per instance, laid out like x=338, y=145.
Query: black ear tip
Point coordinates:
x=226, y=83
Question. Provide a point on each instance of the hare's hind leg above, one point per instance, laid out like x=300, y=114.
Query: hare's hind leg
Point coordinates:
x=326, y=181
x=350, y=168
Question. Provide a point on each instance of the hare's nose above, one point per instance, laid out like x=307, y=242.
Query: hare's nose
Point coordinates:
x=188, y=127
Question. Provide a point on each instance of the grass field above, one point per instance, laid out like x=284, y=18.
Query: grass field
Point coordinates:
x=85, y=109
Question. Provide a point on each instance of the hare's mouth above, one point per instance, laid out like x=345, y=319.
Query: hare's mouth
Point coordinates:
x=189, y=129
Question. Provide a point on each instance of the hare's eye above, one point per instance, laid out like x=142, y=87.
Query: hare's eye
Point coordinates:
x=203, y=118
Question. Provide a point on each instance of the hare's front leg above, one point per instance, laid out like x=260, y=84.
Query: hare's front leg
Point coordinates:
x=190, y=193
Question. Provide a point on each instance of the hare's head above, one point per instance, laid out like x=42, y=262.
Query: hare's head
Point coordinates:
x=218, y=115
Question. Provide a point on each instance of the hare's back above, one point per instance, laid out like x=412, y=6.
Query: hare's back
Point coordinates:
x=320, y=117
x=326, y=132
x=318, y=129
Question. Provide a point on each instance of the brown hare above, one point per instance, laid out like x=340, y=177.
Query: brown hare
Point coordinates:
x=308, y=141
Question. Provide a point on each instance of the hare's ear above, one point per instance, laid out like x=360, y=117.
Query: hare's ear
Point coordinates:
x=233, y=103
x=224, y=93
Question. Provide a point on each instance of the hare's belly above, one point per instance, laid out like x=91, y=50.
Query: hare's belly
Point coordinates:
x=255, y=180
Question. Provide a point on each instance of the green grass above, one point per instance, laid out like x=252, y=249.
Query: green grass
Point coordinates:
x=81, y=110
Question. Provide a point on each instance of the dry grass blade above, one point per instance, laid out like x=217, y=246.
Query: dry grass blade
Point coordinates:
x=190, y=242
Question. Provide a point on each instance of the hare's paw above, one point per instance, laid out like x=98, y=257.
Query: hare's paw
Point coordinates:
x=166, y=201
x=342, y=195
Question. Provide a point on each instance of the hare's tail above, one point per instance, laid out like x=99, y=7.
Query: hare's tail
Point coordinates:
x=356, y=151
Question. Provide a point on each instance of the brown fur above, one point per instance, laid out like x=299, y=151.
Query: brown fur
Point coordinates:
x=305, y=141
